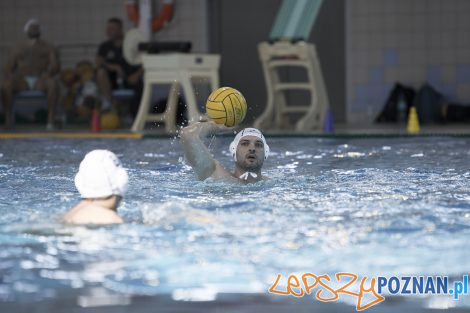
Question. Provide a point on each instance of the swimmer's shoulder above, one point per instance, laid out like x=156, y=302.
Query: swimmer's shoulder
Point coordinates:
x=92, y=214
x=220, y=173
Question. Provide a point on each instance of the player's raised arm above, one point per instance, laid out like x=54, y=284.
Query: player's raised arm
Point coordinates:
x=226, y=106
x=196, y=152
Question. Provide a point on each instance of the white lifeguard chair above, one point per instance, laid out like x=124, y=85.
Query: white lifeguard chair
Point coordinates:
x=287, y=48
x=176, y=69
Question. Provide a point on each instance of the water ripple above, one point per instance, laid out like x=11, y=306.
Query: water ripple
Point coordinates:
x=364, y=206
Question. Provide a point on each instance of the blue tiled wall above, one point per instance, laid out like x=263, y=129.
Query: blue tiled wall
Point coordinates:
x=408, y=41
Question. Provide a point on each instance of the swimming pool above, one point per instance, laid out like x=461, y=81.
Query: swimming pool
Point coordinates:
x=373, y=207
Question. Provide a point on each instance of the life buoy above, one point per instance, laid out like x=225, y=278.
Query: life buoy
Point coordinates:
x=158, y=22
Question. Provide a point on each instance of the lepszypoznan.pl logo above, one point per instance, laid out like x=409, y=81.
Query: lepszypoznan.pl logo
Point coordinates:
x=405, y=285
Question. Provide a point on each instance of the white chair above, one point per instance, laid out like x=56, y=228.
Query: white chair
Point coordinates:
x=176, y=69
x=300, y=54
x=287, y=47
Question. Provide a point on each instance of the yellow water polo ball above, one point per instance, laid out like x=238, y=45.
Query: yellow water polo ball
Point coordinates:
x=226, y=106
x=109, y=120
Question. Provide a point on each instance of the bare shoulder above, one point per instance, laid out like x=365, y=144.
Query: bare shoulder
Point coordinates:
x=92, y=214
x=220, y=172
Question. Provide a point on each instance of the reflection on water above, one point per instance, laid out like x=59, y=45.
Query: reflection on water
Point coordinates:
x=370, y=207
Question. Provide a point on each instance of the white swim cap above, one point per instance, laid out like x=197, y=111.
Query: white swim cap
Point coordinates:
x=101, y=175
x=30, y=22
x=248, y=132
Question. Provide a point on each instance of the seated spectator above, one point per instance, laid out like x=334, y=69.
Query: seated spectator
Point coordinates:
x=113, y=71
x=32, y=64
x=81, y=91
x=85, y=89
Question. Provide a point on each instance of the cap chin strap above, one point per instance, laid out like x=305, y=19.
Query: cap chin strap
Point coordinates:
x=246, y=175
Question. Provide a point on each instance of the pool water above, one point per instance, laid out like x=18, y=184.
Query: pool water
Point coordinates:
x=373, y=207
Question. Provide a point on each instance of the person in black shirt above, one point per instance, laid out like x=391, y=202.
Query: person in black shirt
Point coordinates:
x=113, y=71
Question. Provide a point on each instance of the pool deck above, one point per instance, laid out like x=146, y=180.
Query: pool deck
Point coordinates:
x=341, y=130
x=82, y=301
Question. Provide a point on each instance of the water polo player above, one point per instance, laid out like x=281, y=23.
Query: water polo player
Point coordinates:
x=102, y=182
x=249, y=150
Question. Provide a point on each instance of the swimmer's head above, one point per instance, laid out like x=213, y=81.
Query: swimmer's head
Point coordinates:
x=101, y=175
x=32, y=28
x=114, y=28
x=249, y=148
